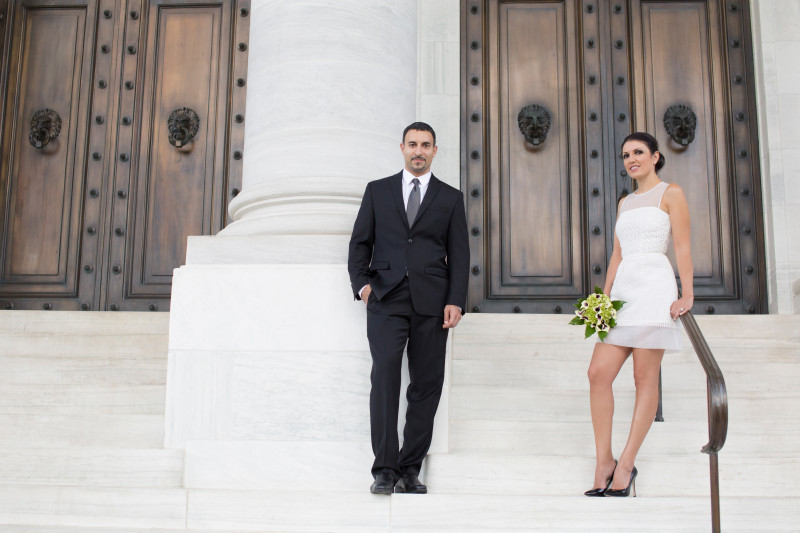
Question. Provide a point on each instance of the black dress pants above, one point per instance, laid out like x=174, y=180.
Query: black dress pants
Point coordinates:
x=391, y=323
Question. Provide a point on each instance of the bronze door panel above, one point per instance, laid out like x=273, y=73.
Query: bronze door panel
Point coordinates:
x=700, y=168
x=542, y=214
x=537, y=250
x=178, y=188
x=678, y=54
x=525, y=202
x=98, y=217
x=48, y=82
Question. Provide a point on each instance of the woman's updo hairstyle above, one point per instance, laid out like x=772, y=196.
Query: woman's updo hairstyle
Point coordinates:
x=651, y=143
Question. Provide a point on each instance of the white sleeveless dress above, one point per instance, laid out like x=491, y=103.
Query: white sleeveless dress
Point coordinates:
x=645, y=279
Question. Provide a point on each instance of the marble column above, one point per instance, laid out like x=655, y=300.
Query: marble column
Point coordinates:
x=268, y=358
x=332, y=84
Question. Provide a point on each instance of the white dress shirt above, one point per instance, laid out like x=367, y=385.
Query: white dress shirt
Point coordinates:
x=408, y=177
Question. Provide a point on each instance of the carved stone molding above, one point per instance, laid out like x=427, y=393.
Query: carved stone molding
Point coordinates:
x=45, y=126
x=681, y=123
x=534, y=123
x=183, y=124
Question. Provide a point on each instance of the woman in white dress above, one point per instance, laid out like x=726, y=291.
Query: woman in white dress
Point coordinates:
x=639, y=273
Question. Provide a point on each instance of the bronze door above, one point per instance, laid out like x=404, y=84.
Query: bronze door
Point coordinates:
x=581, y=75
x=121, y=136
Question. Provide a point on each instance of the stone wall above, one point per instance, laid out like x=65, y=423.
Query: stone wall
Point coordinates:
x=776, y=36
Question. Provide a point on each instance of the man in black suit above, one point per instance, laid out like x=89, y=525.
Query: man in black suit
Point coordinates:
x=409, y=262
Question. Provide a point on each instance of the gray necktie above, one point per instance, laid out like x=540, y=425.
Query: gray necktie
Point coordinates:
x=413, y=202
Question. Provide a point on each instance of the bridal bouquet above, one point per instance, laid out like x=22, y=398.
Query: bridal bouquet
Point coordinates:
x=597, y=312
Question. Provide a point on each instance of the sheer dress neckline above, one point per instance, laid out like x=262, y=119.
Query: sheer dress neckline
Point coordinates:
x=645, y=199
x=648, y=190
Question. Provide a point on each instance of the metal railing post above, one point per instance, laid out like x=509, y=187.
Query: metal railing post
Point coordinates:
x=660, y=410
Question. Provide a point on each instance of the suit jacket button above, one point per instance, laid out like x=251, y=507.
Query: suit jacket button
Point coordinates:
x=410, y=241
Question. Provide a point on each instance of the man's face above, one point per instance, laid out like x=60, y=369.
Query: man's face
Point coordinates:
x=418, y=151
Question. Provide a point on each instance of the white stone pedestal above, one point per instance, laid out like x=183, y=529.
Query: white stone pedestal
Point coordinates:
x=269, y=368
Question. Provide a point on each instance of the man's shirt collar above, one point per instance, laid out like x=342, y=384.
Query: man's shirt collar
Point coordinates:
x=408, y=177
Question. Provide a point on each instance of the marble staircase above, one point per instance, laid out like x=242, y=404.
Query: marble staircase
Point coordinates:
x=82, y=414
x=520, y=425
x=82, y=418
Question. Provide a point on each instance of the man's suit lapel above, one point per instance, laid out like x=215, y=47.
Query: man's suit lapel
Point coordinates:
x=433, y=188
x=397, y=196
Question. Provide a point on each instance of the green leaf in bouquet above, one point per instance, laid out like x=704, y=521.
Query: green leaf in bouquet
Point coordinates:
x=576, y=321
x=598, y=290
x=617, y=304
x=602, y=335
x=612, y=323
x=589, y=331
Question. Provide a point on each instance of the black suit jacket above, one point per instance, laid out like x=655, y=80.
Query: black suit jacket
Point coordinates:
x=434, y=251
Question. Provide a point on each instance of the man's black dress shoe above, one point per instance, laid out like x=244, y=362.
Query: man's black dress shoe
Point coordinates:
x=410, y=484
x=383, y=484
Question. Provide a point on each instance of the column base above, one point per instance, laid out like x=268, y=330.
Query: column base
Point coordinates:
x=271, y=352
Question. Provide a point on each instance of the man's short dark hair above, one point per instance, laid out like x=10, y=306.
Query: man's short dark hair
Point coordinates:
x=419, y=126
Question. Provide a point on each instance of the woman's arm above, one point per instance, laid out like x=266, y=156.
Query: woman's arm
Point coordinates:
x=675, y=203
x=613, y=263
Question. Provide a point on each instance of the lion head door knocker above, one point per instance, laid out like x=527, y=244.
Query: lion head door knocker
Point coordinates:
x=183, y=124
x=45, y=126
x=534, y=123
x=680, y=123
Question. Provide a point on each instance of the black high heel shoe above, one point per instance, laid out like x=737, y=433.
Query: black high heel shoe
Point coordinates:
x=602, y=491
x=627, y=490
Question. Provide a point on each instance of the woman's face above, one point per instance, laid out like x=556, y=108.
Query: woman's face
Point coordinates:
x=638, y=160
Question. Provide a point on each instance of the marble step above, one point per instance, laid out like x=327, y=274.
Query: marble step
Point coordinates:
x=553, y=404
x=676, y=375
x=319, y=509
x=522, y=437
x=553, y=333
x=99, y=399
x=107, y=507
x=70, y=334
x=278, y=466
x=444, y=513
x=92, y=467
x=258, y=511
x=83, y=322
x=60, y=369
x=81, y=429
x=565, y=341
x=195, y=510
x=71, y=344
x=83, y=529
x=490, y=349
x=552, y=327
x=659, y=476
x=69, y=510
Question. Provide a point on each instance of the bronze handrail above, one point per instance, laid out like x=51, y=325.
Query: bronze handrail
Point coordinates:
x=717, y=409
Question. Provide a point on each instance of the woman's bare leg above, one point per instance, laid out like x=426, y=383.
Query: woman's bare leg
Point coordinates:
x=607, y=359
x=646, y=367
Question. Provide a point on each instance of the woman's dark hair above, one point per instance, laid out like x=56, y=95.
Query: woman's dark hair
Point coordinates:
x=651, y=143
